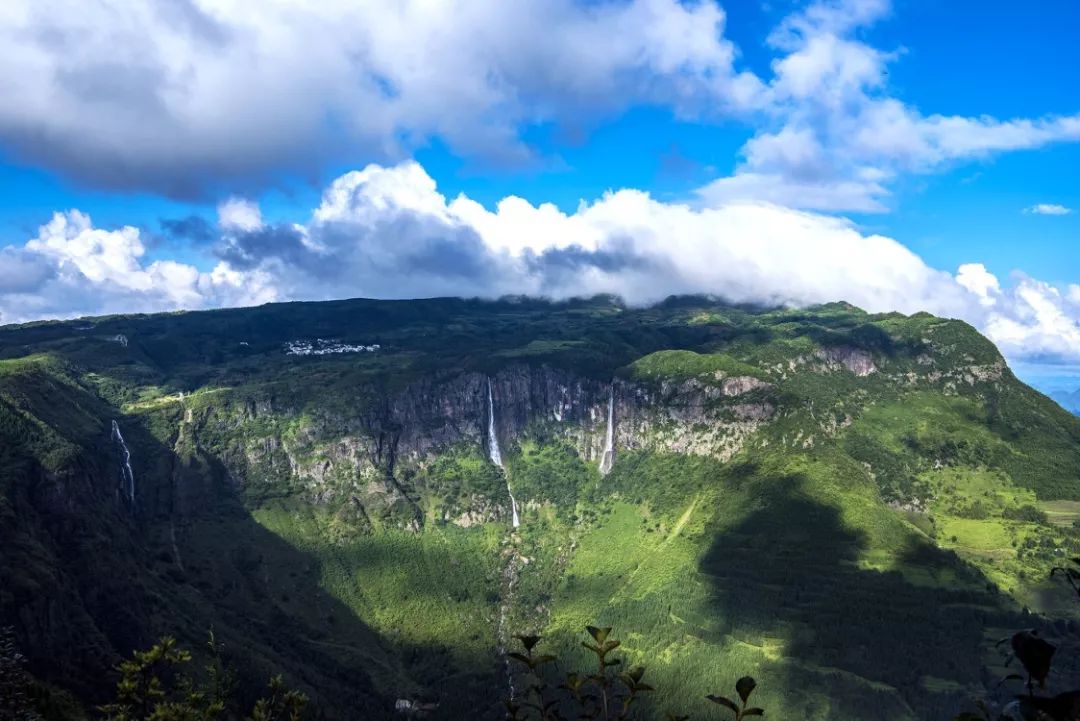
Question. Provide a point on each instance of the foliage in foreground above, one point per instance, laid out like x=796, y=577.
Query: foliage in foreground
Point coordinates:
x=15, y=684
x=1036, y=656
x=153, y=687
x=603, y=694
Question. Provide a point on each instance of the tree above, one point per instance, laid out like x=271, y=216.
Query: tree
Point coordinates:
x=15, y=682
x=153, y=687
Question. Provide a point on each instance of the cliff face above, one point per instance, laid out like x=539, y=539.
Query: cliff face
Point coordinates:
x=369, y=450
x=370, y=454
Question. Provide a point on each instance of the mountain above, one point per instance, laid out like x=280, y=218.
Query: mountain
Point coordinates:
x=850, y=507
x=1069, y=400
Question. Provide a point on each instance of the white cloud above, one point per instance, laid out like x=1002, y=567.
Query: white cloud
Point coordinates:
x=239, y=214
x=206, y=96
x=387, y=232
x=833, y=194
x=981, y=282
x=1032, y=320
x=835, y=137
x=1048, y=209
x=72, y=268
x=1035, y=321
x=182, y=95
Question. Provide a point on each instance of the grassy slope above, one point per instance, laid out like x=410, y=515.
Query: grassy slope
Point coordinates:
x=785, y=563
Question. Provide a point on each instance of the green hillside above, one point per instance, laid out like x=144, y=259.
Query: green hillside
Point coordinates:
x=850, y=507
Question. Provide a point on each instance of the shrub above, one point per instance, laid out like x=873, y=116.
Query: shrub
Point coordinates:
x=15, y=683
x=601, y=694
x=1027, y=513
x=153, y=687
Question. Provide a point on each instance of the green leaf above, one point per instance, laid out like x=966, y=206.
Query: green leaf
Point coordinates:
x=599, y=634
x=745, y=686
x=724, y=701
x=1034, y=653
x=528, y=641
x=542, y=659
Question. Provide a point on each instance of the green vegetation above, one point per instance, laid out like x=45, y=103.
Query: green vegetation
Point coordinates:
x=153, y=686
x=601, y=693
x=16, y=686
x=681, y=364
x=847, y=506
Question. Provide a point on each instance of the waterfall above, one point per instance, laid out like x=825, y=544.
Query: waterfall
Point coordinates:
x=509, y=577
x=126, y=474
x=495, y=455
x=608, y=458
x=511, y=572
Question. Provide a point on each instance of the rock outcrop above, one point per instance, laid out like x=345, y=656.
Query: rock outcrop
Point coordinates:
x=370, y=453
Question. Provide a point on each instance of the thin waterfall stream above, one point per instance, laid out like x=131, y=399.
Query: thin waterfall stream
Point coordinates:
x=608, y=458
x=511, y=572
x=495, y=455
x=127, y=475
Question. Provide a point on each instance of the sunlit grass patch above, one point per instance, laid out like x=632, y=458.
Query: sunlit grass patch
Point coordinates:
x=1061, y=513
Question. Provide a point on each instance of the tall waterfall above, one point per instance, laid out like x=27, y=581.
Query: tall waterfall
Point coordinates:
x=127, y=476
x=495, y=455
x=502, y=632
x=608, y=458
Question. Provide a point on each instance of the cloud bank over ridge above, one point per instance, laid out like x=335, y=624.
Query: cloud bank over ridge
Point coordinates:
x=387, y=232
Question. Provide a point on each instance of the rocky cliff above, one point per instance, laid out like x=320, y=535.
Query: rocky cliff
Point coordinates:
x=368, y=456
x=338, y=516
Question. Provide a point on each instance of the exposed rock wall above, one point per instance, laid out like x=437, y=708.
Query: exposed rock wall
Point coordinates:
x=366, y=454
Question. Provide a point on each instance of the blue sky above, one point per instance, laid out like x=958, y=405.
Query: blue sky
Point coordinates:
x=911, y=155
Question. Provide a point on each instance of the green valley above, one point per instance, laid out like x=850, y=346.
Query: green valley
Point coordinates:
x=852, y=508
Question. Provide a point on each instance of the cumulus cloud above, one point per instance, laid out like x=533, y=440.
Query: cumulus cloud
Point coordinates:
x=175, y=96
x=186, y=97
x=982, y=283
x=835, y=138
x=239, y=214
x=72, y=268
x=1048, y=209
x=388, y=232
x=1035, y=321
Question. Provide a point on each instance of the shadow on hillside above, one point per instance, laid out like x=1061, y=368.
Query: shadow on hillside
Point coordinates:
x=790, y=570
x=105, y=581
